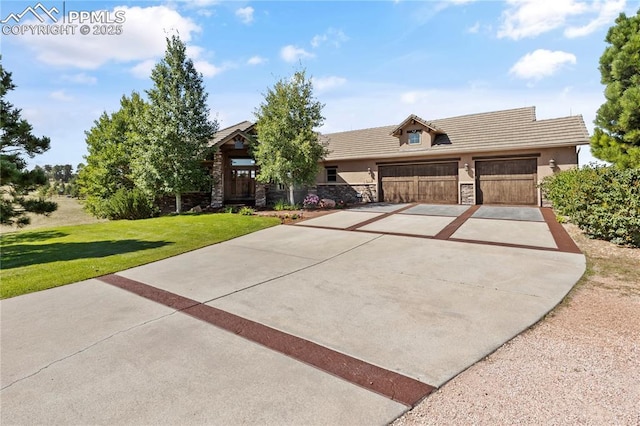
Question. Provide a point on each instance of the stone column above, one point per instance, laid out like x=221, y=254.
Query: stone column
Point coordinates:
x=467, y=195
x=261, y=195
x=217, y=189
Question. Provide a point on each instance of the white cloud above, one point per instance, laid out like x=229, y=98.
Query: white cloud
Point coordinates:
x=332, y=37
x=143, y=69
x=195, y=53
x=607, y=11
x=60, y=95
x=529, y=18
x=541, y=63
x=143, y=37
x=323, y=84
x=207, y=69
x=245, y=14
x=475, y=28
x=291, y=53
x=80, y=78
x=256, y=60
x=413, y=97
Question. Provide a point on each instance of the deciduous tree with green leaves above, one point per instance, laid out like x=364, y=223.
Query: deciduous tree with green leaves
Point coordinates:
x=111, y=144
x=16, y=181
x=287, y=148
x=617, y=134
x=176, y=128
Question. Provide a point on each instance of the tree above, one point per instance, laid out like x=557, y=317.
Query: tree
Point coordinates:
x=287, y=147
x=617, y=134
x=16, y=182
x=111, y=144
x=176, y=128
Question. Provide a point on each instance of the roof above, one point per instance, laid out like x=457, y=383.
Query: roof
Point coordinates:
x=415, y=118
x=231, y=131
x=507, y=130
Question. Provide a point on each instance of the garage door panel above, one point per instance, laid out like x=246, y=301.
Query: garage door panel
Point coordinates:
x=398, y=190
x=438, y=191
x=431, y=183
x=507, y=182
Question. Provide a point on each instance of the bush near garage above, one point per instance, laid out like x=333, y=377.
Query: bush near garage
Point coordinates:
x=604, y=201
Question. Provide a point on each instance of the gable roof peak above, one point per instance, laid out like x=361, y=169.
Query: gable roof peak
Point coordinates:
x=415, y=119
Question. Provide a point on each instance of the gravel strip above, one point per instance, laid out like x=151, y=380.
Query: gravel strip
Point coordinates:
x=580, y=365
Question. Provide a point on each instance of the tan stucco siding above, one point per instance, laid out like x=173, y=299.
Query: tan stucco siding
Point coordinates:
x=359, y=172
x=426, y=138
x=349, y=172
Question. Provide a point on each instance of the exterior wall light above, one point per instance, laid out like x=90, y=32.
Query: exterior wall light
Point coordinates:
x=466, y=167
x=552, y=163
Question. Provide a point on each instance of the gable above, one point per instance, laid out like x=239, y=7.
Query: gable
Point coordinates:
x=232, y=135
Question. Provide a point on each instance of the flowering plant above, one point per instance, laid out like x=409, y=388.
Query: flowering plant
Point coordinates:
x=311, y=201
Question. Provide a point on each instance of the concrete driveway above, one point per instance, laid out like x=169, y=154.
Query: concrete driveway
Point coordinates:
x=348, y=318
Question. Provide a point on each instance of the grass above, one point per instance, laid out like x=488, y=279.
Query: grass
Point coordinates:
x=34, y=260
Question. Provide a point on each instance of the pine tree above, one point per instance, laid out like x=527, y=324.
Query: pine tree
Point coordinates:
x=16, y=181
x=617, y=134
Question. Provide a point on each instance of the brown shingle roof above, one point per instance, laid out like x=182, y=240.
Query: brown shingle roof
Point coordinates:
x=506, y=130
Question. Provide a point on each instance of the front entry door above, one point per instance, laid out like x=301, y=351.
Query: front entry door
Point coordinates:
x=242, y=179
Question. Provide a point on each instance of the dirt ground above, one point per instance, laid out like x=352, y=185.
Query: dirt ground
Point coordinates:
x=579, y=365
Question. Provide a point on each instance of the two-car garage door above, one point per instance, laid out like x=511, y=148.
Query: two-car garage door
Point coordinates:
x=498, y=181
x=423, y=183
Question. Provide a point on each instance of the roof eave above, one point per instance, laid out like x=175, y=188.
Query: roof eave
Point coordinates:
x=437, y=152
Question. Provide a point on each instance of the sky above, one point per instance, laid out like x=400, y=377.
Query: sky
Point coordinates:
x=372, y=63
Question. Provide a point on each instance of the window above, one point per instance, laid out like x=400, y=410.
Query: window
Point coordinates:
x=243, y=162
x=332, y=174
x=414, y=137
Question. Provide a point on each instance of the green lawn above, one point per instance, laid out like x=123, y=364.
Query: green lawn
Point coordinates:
x=45, y=258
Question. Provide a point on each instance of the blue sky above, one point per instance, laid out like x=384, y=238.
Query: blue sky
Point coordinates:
x=372, y=63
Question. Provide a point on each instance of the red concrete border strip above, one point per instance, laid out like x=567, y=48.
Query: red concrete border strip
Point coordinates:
x=390, y=384
x=500, y=244
x=563, y=240
x=446, y=232
x=166, y=298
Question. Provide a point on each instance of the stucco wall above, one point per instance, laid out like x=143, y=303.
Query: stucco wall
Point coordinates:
x=365, y=172
x=426, y=139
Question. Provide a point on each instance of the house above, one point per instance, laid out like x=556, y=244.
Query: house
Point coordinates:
x=487, y=158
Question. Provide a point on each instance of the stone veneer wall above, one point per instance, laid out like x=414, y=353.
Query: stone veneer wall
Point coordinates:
x=217, y=190
x=261, y=195
x=273, y=194
x=467, y=195
x=364, y=193
x=167, y=203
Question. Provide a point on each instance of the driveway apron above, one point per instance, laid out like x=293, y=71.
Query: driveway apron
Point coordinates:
x=352, y=318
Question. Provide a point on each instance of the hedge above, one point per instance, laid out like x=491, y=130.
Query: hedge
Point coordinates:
x=603, y=201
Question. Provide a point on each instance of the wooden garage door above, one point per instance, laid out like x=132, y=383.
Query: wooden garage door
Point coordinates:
x=507, y=182
x=424, y=183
